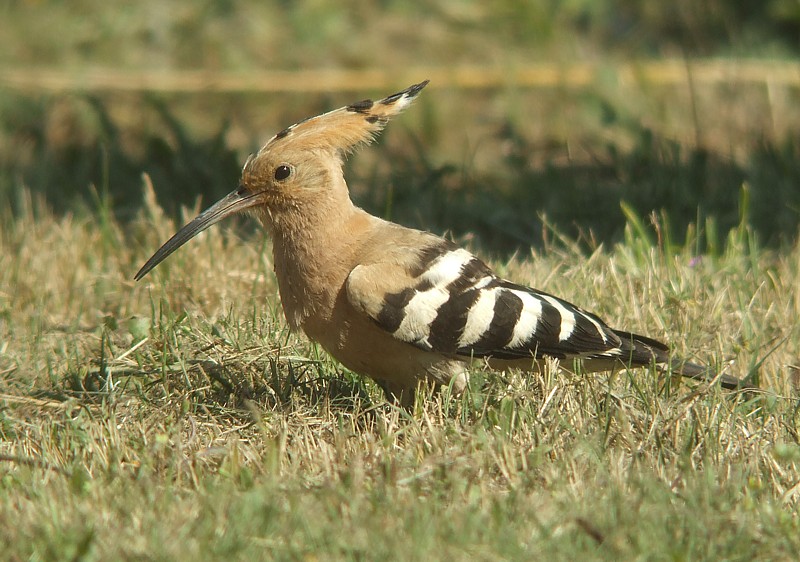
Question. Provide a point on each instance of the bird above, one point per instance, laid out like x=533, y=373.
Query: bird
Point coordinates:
x=401, y=306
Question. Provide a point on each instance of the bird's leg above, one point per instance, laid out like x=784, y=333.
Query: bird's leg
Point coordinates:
x=398, y=394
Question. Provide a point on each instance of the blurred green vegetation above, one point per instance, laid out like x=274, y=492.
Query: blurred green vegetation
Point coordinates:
x=689, y=188
x=686, y=155
x=71, y=159
x=508, y=205
x=313, y=33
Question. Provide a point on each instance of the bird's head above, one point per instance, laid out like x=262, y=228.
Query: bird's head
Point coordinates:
x=297, y=170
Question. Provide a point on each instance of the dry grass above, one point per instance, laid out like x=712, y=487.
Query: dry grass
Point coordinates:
x=179, y=419
x=768, y=73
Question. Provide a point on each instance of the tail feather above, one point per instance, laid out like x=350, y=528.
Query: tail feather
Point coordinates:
x=641, y=350
x=699, y=372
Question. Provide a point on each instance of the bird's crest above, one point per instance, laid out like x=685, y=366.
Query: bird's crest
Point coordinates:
x=345, y=128
x=338, y=132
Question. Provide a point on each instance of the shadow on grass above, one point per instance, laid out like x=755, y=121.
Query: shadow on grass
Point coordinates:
x=521, y=204
x=74, y=153
x=531, y=192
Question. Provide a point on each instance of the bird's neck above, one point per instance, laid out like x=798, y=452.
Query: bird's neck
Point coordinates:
x=313, y=255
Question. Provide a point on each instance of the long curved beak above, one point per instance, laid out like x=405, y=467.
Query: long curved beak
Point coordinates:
x=232, y=203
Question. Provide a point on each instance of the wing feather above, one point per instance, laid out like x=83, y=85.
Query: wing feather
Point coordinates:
x=454, y=304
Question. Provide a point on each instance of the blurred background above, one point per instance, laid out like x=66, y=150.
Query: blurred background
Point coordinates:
x=543, y=118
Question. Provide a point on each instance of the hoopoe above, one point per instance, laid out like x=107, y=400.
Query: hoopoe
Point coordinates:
x=393, y=303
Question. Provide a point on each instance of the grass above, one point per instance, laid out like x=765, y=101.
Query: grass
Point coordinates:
x=624, y=134
x=179, y=419
x=452, y=164
x=218, y=34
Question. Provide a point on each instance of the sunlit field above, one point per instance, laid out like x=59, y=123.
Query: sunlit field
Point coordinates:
x=178, y=418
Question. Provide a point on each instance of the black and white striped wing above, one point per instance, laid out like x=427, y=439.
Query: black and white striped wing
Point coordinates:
x=454, y=304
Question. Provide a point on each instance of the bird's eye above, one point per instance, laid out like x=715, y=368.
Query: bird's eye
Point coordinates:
x=282, y=172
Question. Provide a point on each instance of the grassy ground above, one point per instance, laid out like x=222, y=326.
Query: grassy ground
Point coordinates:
x=179, y=419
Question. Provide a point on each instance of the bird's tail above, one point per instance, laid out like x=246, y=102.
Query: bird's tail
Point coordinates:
x=641, y=350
